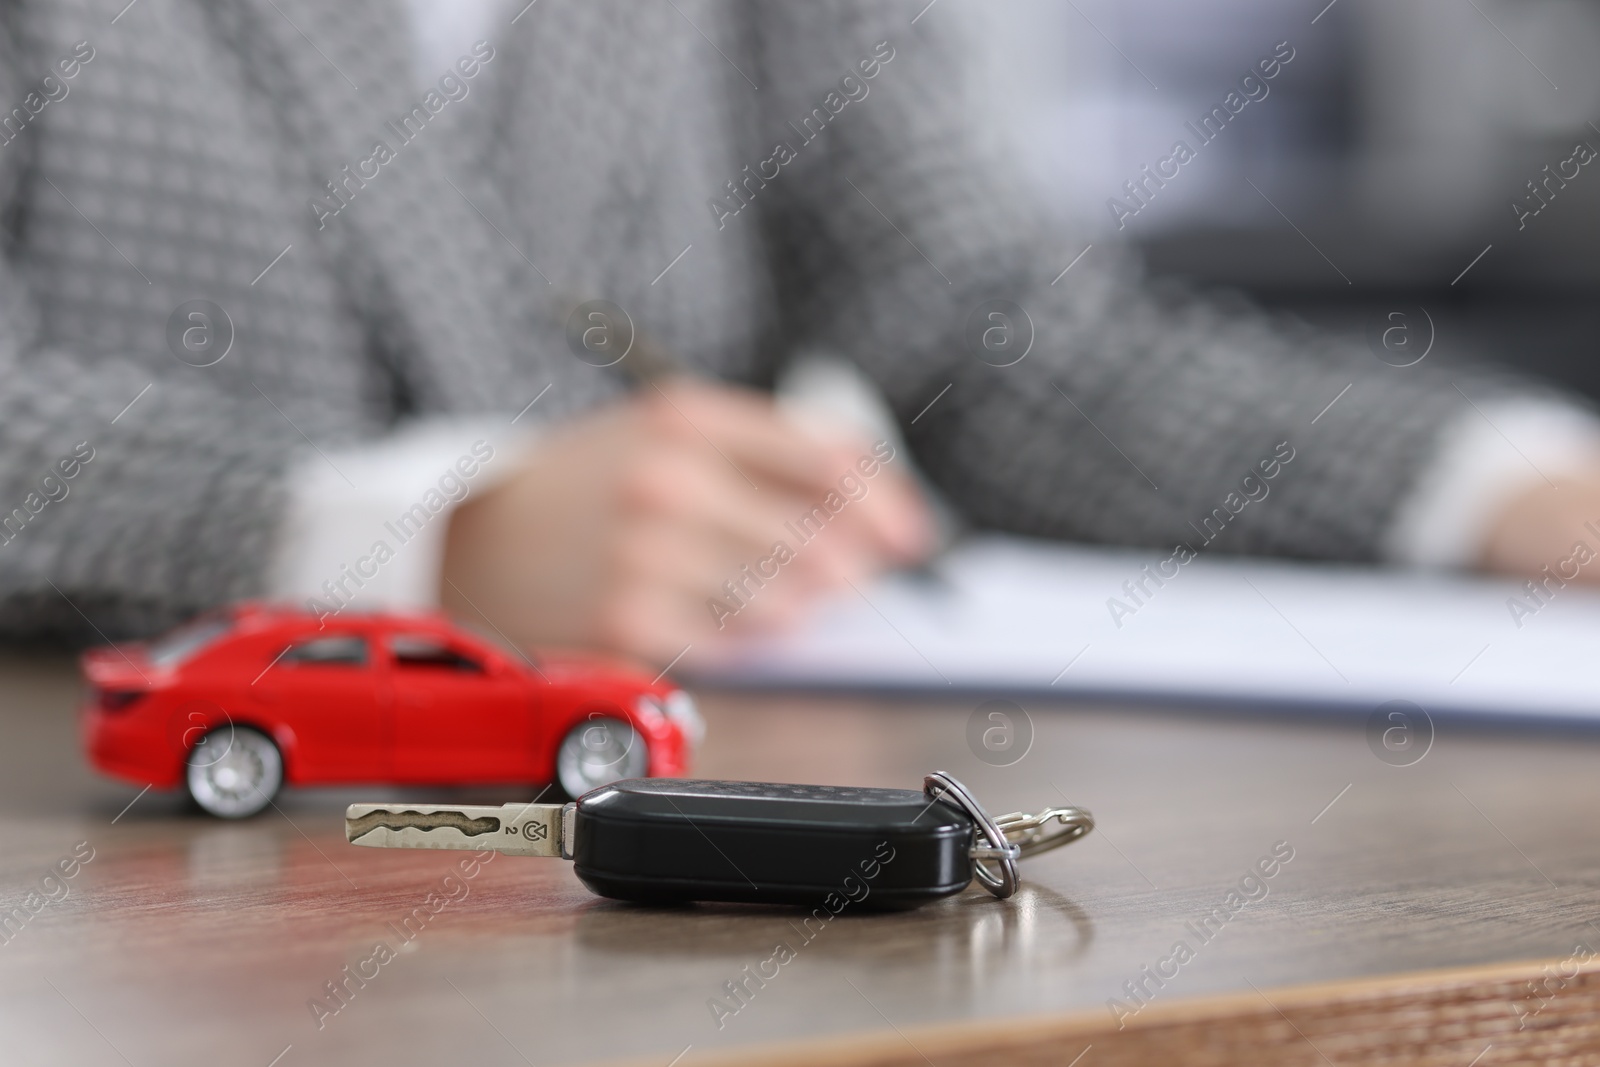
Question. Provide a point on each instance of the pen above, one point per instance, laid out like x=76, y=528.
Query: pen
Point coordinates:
x=595, y=328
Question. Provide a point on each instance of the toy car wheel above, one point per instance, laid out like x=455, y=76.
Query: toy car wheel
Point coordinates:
x=234, y=772
x=597, y=752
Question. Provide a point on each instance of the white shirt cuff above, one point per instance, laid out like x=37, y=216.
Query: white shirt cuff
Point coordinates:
x=365, y=526
x=1484, y=461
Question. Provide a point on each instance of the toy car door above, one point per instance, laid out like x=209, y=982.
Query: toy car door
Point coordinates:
x=461, y=714
x=326, y=690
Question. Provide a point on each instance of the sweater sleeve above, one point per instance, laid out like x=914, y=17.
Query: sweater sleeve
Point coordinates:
x=147, y=441
x=1085, y=403
x=131, y=498
x=133, y=490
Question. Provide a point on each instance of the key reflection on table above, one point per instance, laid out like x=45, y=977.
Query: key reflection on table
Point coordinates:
x=971, y=935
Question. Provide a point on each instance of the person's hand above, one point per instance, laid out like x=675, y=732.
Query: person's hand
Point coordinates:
x=1554, y=526
x=623, y=528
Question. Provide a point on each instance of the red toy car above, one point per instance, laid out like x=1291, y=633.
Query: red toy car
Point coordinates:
x=238, y=703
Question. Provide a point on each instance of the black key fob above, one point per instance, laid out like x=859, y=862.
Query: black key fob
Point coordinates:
x=662, y=840
x=665, y=840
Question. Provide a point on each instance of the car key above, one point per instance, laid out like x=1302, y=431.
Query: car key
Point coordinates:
x=664, y=840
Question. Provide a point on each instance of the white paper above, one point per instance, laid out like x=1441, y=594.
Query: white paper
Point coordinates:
x=1003, y=615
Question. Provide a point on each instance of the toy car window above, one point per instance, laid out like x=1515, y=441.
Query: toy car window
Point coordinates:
x=430, y=652
x=186, y=640
x=345, y=651
x=490, y=636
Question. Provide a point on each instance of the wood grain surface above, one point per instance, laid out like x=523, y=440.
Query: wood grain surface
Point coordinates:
x=1429, y=912
x=1434, y=1019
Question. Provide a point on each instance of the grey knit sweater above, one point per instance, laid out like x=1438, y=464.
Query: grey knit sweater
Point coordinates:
x=817, y=161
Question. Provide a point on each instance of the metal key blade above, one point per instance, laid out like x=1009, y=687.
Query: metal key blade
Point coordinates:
x=515, y=829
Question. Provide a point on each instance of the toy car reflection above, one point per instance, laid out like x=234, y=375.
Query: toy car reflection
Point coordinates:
x=239, y=703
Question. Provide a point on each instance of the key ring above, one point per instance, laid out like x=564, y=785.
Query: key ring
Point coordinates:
x=1012, y=836
x=938, y=786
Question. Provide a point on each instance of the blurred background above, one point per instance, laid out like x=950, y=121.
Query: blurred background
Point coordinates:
x=1395, y=142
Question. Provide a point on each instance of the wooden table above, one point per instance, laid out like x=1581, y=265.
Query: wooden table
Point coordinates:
x=1429, y=913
